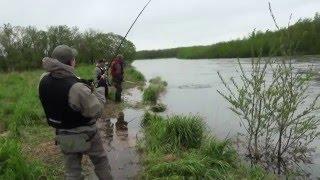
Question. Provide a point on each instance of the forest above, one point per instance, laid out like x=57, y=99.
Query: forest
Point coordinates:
x=22, y=48
x=304, y=38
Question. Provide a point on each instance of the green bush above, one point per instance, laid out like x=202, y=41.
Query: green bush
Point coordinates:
x=14, y=166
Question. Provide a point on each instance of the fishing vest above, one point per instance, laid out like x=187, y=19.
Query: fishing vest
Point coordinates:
x=102, y=71
x=54, y=96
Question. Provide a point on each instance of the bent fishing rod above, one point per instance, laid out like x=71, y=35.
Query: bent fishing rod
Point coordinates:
x=124, y=38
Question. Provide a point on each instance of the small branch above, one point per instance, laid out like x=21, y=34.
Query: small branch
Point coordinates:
x=273, y=17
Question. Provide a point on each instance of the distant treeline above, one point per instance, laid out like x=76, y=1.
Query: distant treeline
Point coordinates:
x=22, y=48
x=303, y=38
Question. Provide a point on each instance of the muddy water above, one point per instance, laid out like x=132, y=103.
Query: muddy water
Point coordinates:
x=192, y=89
x=120, y=138
x=121, y=146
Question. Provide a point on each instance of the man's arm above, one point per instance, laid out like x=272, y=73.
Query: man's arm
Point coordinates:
x=97, y=73
x=82, y=99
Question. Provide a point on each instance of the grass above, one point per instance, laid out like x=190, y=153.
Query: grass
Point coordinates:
x=131, y=74
x=13, y=165
x=158, y=107
x=22, y=116
x=180, y=147
x=19, y=103
x=152, y=92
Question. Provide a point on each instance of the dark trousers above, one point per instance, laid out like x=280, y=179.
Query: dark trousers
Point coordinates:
x=117, y=83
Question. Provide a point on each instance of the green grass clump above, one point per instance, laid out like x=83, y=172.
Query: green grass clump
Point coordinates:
x=13, y=165
x=184, y=131
x=158, y=107
x=180, y=147
x=152, y=92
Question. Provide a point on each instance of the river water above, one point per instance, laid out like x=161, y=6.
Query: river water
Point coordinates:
x=192, y=89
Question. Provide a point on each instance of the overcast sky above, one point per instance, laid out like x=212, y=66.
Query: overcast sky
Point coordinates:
x=165, y=23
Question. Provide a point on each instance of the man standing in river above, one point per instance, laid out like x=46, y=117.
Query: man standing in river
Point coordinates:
x=72, y=109
x=117, y=71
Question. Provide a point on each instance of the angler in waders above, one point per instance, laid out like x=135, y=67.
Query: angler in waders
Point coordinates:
x=101, y=79
x=117, y=70
x=72, y=109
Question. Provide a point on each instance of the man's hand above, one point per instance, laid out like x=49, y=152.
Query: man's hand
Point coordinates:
x=89, y=83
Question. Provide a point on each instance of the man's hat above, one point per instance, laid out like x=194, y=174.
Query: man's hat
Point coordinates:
x=64, y=54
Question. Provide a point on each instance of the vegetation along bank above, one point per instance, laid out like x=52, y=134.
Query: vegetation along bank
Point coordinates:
x=304, y=38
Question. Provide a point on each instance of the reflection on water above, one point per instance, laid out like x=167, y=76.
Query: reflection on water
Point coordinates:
x=119, y=136
x=192, y=89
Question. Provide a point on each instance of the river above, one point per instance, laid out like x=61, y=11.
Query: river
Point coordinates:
x=192, y=89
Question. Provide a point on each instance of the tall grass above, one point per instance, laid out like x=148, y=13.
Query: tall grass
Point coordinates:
x=180, y=147
x=13, y=165
x=184, y=131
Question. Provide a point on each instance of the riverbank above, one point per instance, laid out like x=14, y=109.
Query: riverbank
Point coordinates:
x=23, y=126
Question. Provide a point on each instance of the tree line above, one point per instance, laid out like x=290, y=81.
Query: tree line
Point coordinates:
x=22, y=48
x=304, y=38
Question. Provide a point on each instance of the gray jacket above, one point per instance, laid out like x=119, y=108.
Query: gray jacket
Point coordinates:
x=80, y=96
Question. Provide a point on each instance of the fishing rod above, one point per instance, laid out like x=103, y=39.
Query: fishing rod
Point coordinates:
x=124, y=38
